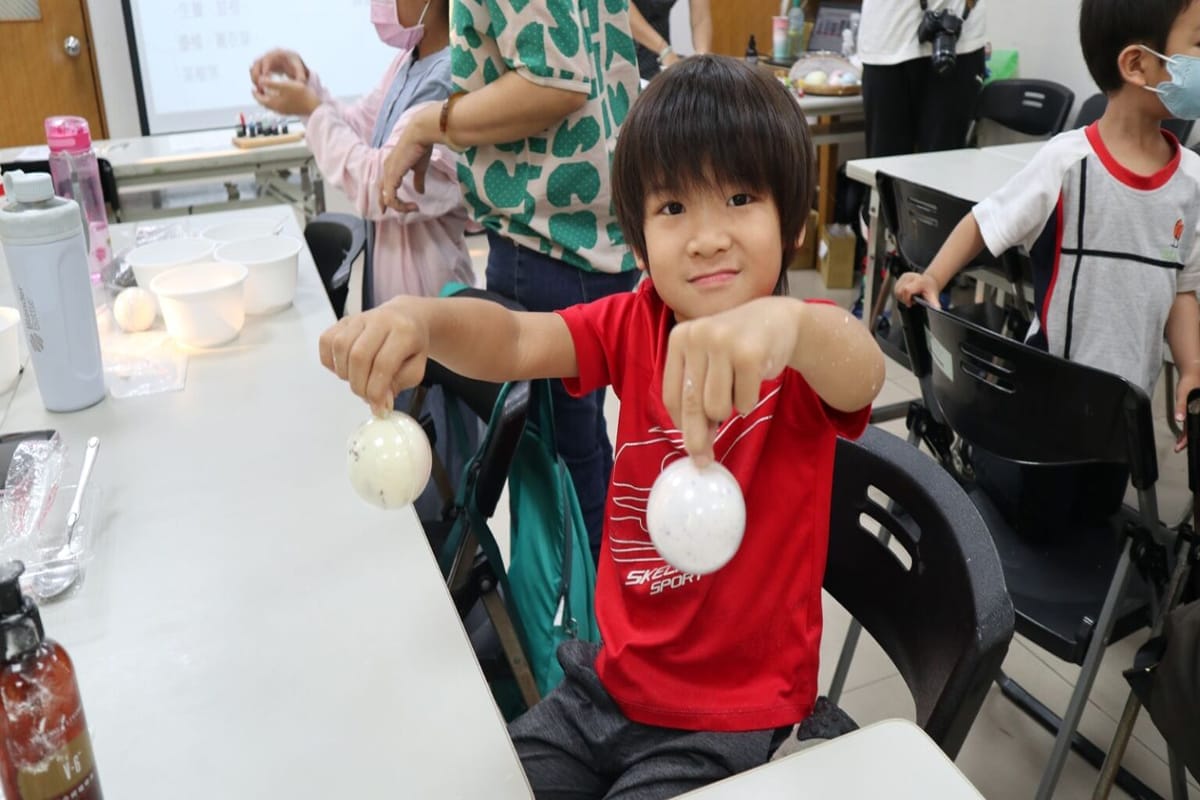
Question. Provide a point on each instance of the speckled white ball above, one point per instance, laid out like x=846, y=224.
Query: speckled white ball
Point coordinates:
x=135, y=309
x=696, y=516
x=389, y=460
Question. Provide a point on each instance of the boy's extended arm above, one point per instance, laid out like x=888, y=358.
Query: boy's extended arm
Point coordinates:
x=1183, y=337
x=837, y=356
x=383, y=351
x=964, y=243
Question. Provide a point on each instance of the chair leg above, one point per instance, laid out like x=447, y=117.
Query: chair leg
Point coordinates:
x=843, y=666
x=510, y=643
x=1179, y=785
x=1084, y=747
x=1087, y=676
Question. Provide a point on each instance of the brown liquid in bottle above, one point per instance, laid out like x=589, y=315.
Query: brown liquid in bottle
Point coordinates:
x=46, y=753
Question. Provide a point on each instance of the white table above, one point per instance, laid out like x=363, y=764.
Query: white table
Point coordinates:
x=166, y=160
x=971, y=174
x=248, y=627
x=892, y=759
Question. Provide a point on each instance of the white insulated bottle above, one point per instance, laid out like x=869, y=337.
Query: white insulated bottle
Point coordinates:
x=47, y=258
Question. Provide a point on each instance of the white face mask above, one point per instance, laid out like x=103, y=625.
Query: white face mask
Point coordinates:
x=391, y=32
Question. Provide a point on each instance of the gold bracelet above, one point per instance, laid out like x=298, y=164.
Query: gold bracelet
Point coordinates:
x=444, y=121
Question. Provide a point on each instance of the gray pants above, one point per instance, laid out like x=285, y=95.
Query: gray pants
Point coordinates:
x=577, y=744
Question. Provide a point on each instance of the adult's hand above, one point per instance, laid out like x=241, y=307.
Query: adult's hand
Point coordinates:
x=410, y=154
x=278, y=62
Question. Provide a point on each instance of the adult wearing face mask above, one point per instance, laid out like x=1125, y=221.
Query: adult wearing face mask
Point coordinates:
x=416, y=251
x=541, y=90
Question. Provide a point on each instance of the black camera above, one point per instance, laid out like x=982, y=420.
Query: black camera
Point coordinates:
x=942, y=29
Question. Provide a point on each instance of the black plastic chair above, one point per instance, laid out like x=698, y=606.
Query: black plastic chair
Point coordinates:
x=1093, y=108
x=1031, y=107
x=335, y=241
x=920, y=220
x=1076, y=591
x=944, y=619
x=108, y=181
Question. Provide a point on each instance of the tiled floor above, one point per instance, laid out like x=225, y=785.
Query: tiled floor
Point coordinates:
x=1006, y=751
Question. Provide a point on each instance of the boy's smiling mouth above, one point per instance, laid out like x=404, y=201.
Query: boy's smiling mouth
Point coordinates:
x=714, y=277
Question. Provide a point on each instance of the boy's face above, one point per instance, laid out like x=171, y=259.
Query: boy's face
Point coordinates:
x=1183, y=39
x=710, y=250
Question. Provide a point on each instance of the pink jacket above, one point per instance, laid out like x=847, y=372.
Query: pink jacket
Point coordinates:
x=415, y=253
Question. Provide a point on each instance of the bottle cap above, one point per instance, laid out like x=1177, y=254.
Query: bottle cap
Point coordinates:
x=68, y=134
x=33, y=214
x=20, y=623
x=28, y=187
x=11, y=599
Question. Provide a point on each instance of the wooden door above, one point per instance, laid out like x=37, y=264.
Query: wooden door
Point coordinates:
x=48, y=68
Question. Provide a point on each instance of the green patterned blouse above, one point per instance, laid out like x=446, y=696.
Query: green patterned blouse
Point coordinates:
x=550, y=192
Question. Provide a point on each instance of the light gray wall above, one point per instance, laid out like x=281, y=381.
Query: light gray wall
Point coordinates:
x=1046, y=34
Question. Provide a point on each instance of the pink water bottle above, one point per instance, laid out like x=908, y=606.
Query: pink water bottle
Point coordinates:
x=76, y=176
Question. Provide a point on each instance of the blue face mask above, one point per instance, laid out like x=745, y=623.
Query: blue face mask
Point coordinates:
x=1180, y=95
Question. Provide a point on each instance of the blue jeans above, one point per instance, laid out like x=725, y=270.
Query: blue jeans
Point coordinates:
x=542, y=283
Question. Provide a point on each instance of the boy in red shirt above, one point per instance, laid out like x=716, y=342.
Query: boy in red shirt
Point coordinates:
x=699, y=676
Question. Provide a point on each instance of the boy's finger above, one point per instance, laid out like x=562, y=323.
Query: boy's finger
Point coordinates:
x=932, y=298
x=693, y=421
x=362, y=358
x=387, y=363
x=718, y=389
x=746, y=385
x=344, y=336
x=325, y=346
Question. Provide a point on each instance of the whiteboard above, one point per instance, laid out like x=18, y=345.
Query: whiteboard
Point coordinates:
x=191, y=58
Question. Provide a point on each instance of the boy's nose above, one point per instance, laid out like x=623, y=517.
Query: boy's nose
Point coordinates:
x=708, y=238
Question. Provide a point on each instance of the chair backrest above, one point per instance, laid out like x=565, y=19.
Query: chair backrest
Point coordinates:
x=1093, y=108
x=108, y=181
x=335, y=241
x=919, y=218
x=945, y=619
x=1024, y=404
x=1032, y=107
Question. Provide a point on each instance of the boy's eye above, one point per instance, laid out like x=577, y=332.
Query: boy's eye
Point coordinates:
x=672, y=208
x=741, y=199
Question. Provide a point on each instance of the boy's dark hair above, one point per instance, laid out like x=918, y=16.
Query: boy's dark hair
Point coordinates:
x=712, y=120
x=1106, y=27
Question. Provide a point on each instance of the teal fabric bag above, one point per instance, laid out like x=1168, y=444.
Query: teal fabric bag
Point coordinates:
x=550, y=584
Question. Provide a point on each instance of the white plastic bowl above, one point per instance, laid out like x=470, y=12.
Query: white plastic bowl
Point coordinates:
x=204, y=305
x=273, y=262
x=148, y=261
x=244, y=228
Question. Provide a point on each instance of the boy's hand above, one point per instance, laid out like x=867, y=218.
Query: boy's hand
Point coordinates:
x=716, y=365
x=380, y=352
x=913, y=284
x=288, y=97
x=1188, y=381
